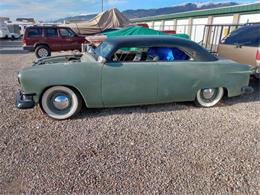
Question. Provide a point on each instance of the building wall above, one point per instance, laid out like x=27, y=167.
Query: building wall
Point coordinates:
x=198, y=28
x=193, y=25
x=157, y=25
x=182, y=26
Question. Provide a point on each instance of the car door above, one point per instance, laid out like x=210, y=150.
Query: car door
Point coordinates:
x=174, y=81
x=53, y=39
x=33, y=35
x=68, y=41
x=129, y=83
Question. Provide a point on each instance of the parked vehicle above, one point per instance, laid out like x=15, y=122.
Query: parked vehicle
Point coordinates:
x=45, y=39
x=243, y=46
x=5, y=33
x=126, y=71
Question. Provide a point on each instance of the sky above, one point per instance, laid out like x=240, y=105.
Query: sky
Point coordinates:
x=55, y=9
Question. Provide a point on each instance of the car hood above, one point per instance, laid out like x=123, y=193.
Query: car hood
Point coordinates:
x=57, y=59
x=82, y=57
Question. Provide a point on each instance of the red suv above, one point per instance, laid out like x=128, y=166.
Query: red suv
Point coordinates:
x=45, y=39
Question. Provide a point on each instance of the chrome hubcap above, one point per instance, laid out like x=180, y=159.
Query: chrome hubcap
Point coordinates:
x=43, y=52
x=208, y=93
x=61, y=102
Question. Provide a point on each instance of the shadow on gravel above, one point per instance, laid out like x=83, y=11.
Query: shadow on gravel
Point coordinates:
x=13, y=52
x=98, y=112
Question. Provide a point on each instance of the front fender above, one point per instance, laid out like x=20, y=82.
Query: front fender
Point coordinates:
x=85, y=77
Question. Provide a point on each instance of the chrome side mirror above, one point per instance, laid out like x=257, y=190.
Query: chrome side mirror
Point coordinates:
x=101, y=59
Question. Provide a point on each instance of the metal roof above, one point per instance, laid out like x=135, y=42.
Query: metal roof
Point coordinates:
x=254, y=7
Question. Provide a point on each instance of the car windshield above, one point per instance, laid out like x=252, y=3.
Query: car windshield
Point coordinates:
x=103, y=49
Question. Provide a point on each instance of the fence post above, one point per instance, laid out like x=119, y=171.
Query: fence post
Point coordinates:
x=162, y=26
x=208, y=31
x=189, y=26
x=235, y=21
x=152, y=25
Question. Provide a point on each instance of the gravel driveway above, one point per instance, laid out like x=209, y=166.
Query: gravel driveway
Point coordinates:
x=166, y=149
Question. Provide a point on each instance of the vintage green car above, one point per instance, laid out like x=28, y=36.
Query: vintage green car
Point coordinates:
x=126, y=71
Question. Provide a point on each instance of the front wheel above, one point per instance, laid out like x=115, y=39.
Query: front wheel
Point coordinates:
x=61, y=102
x=209, y=97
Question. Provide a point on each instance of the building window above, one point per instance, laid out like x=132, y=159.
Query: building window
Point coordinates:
x=169, y=25
x=182, y=26
x=158, y=25
x=249, y=18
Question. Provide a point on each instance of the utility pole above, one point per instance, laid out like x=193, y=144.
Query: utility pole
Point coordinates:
x=102, y=5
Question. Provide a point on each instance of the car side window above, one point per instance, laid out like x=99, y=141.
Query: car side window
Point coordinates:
x=34, y=32
x=129, y=54
x=51, y=32
x=247, y=36
x=149, y=54
x=66, y=33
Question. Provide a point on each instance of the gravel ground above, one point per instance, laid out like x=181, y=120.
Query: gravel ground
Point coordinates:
x=166, y=149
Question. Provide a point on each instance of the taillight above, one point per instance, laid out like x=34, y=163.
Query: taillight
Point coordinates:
x=24, y=39
x=258, y=55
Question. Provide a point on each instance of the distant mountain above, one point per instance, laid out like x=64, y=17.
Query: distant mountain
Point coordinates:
x=153, y=12
x=76, y=18
x=171, y=10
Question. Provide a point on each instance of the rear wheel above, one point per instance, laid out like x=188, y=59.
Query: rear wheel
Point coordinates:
x=42, y=51
x=61, y=102
x=209, y=97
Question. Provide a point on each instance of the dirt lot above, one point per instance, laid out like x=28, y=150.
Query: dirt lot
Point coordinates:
x=169, y=148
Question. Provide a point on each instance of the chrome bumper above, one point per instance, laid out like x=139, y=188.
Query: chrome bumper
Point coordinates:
x=24, y=101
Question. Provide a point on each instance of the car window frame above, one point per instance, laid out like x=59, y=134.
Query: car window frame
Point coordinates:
x=172, y=61
x=46, y=31
x=38, y=28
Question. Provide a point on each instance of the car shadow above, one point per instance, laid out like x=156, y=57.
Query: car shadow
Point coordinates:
x=13, y=52
x=169, y=107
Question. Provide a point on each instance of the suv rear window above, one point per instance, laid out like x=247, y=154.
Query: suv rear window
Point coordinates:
x=34, y=32
x=51, y=32
x=248, y=36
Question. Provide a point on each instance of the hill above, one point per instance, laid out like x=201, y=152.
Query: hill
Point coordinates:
x=153, y=12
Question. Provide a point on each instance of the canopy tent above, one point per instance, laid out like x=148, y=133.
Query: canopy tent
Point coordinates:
x=109, y=19
x=140, y=30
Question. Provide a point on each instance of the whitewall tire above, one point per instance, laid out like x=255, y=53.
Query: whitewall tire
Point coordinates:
x=60, y=102
x=209, y=97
